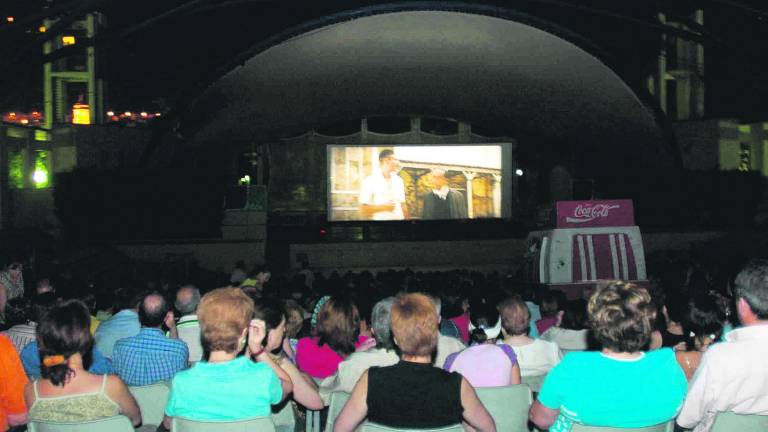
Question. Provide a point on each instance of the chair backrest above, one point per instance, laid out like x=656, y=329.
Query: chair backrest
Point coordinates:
x=534, y=382
x=261, y=424
x=152, y=400
x=284, y=419
x=117, y=423
x=335, y=405
x=508, y=406
x=373, y=427
x=728, y=421
x=663, y=427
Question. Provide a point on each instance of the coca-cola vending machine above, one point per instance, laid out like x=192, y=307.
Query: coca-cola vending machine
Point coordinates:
x=591, y=241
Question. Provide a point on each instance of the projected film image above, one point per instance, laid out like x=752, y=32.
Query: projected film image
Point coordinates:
x=406, y=182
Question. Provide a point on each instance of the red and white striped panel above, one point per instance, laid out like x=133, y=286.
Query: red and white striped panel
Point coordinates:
x=603, y=256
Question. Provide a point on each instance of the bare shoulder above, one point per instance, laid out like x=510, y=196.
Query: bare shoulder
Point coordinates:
x=115, y=384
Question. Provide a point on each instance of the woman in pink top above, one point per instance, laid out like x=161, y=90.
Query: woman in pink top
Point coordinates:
x=485, y=364
x=337, y=335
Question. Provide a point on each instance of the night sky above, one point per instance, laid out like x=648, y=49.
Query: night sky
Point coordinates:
x=153, y=51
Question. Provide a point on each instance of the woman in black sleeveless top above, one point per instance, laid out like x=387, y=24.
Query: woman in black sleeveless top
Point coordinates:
x=413, y=393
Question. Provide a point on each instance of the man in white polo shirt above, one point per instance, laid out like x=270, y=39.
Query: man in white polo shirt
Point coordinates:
x=382, y=196
x=187, y=300
x=732, y=375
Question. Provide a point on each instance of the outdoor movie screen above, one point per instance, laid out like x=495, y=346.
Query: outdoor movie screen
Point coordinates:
x=418, y=182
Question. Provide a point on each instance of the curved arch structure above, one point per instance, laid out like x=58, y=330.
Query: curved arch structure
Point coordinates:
x=473, y=67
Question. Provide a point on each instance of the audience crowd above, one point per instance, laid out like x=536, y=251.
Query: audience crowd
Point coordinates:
x=410, y=348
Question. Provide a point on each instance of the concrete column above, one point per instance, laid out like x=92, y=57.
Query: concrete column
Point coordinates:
x=497, y=195
x=470, y=210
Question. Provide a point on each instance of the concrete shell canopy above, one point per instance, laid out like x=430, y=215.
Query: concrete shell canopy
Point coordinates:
x=471, y=67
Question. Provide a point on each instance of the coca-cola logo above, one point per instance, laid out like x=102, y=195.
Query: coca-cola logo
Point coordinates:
x=582, y=214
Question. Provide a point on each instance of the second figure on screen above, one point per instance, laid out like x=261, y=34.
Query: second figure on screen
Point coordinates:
x=442, y=202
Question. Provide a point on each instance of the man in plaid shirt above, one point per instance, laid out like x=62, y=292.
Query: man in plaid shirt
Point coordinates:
x=150, y=356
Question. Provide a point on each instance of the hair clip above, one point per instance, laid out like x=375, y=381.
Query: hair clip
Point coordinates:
x=316, y=311
x=54, y=360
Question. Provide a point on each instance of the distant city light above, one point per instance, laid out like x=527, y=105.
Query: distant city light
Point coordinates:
x=22, y=118
x=245, y=180
x=127, y=114
x=10, y=19
x=519, y=172
x=110, y=113
x=157, y=114
x=68, y=40
x=41, y=29
x=81, y=114
x=143, y=114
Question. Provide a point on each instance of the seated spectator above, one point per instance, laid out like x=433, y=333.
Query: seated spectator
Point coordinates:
x=550, y=309
x=485, y=364
x=353, y=366
x=254, y=382
x=150, y=356
x=460, y=318
x=337, y=336
x=67, y=391
x=11, y=284
x=187, y=299
x=304, y=389
x=30, y=360
x=535, y=356
x=413, y=393
x=732, y=375
x=620, y=386
x=89, y=300
x=571, y=332
x=295, y=315
x=19, y=315
x=527, y=292
x=446, y=345
x=703, y=323
x=238, y=274
x=43, y=286
x=13, y=410
x=121, y=325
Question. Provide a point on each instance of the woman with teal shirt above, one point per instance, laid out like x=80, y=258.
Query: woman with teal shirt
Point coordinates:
x=227, y=385
x=620, y=386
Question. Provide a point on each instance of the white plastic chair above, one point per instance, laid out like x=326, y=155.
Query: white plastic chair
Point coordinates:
x=285, y=419
x=261, y=424
x=508, y=406
x=728, y=421
x=373, y=427
x=663, y=427
x=335, y=405
x=534, y=382
x=151, y=400
x=117, y=423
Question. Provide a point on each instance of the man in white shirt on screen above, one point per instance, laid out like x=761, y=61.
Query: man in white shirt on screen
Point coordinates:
x=382, y=196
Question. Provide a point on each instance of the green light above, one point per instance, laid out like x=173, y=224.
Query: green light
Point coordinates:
x=245, y=180
x=40, y=176
x=16, y=169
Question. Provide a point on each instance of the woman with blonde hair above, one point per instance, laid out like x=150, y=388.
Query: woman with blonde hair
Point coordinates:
x=413, y=393
x=605, y=388
x=228, y=385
